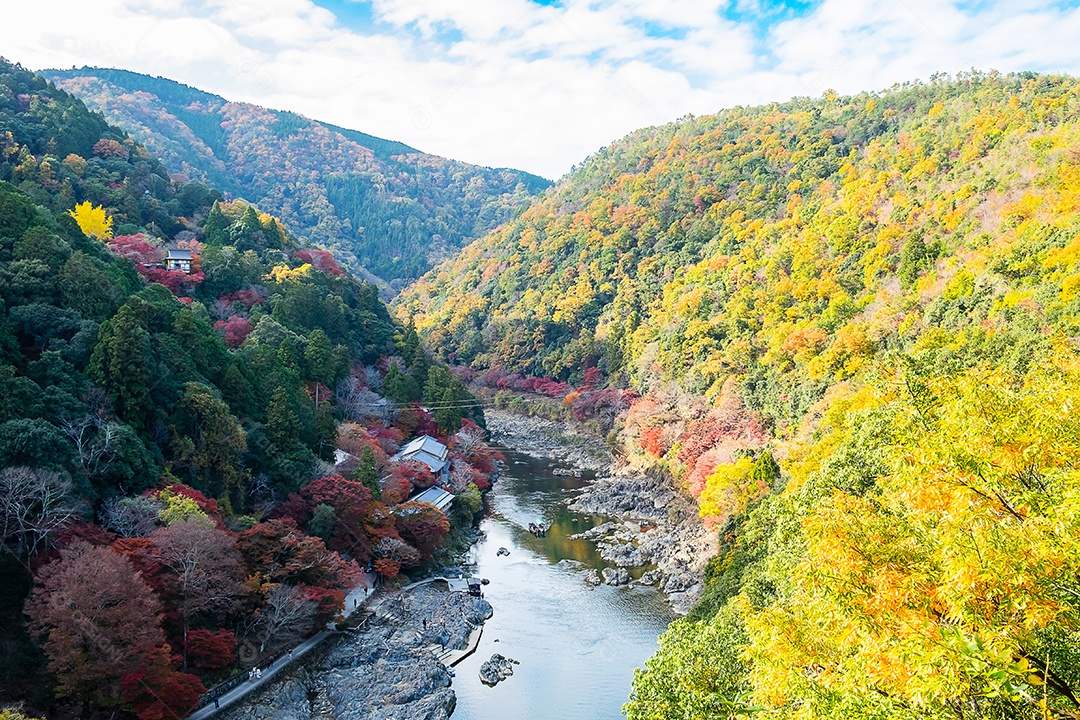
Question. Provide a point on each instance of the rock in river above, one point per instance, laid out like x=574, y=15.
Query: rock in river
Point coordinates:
x=616, y=577
x=496, y=669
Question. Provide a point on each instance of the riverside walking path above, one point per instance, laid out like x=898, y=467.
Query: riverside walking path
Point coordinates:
x=354, y=602
x=447, y=656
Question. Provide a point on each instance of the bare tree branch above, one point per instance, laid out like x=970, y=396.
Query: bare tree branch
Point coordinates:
x=34, y=503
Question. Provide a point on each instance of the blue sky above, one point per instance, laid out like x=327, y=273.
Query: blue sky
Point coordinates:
x=536, y=84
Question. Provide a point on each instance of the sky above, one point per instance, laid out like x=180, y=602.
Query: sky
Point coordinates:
x=536, y=84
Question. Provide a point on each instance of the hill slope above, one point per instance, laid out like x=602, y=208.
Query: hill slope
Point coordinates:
x=166, y=433
x=390, y=208
x=853, y=324
x=773, y=244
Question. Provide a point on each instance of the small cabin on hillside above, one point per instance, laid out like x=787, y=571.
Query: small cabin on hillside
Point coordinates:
x=178, y=260
x=429, y=451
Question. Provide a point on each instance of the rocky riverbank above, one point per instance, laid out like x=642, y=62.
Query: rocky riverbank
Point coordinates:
x=544, y=438
x=658, y=527
x=388, y=669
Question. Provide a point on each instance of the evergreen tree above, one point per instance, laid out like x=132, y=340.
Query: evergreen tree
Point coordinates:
x=319, y=358
x=216, y=229
x=765, y=469
x=366, y=471
x=247, y=233
x=282, y=424
x=325, y=428
x=84, y=288
x=121, y=364
x=913, y=259
x=399, y=387
x=237, y=391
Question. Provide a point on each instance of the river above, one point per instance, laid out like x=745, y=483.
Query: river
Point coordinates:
x=577, y=646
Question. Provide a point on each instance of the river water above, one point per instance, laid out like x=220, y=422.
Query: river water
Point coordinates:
x=577, y=646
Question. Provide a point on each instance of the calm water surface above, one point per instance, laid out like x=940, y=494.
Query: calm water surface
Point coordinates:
x=578, y=646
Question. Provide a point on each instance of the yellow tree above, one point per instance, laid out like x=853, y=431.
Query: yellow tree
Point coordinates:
x=951, y=588
x=92, y=220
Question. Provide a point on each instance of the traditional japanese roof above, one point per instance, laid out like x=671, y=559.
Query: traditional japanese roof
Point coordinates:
x=427, y=450
x=435, y=496
x=344, y=461
x=175, y=254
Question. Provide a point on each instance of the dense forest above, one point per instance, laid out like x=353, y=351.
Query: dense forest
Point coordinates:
x=197, y=419
x=379, y=204
x=847, y=326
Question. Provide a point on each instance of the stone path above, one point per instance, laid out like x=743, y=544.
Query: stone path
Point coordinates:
x=354, y=601
x=452, y=657
x=268, y=673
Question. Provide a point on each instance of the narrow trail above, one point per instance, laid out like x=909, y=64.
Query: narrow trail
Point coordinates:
x=359, y=600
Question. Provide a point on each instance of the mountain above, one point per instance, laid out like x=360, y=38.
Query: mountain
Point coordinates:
x=852, y=322
x=376, y=203
x=176, y=374
x=780, y=246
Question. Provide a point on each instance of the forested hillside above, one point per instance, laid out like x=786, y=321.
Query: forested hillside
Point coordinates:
x=176, y=373
x=852, y=322
x=392, y=209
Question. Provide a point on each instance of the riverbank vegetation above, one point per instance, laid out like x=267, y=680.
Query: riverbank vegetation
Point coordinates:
x=198, y=418
x=851, y=322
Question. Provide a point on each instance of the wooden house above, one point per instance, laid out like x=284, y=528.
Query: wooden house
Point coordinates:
x=178, y=260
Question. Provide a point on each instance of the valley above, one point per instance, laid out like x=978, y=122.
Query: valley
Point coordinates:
x=791, y=386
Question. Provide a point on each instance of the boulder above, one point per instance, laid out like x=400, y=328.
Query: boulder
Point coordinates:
x=616, y=577
x=652, y=577
x=496, y=669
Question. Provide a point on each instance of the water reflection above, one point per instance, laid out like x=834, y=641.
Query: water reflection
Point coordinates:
x=577, y=645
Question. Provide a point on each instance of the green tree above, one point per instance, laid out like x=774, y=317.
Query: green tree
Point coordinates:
x=215, y=230
x=448, y=396
x=399, y=387
x=36, y=443
x=236, y=390
x=765, y=470
x=247, y=232
x=695, y=674
x=209, y=443
x=323, y=520
x=86, y=289
x=319, y=358
x=282, y=424
x=121, y=364
x=366, y=471
x=913, y=259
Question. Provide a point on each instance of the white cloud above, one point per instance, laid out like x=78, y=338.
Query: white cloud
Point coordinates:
x=529, y=86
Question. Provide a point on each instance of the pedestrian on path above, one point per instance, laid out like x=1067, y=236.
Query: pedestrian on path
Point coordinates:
x=217, y=704
x=290, y=654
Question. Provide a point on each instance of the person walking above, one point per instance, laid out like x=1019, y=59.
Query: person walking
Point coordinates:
x=217, y=704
